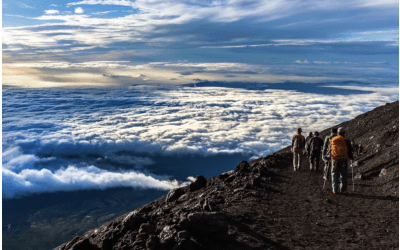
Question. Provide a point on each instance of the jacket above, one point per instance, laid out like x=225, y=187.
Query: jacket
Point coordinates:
x=303, y=139
x=317, y=141
x=328, y=139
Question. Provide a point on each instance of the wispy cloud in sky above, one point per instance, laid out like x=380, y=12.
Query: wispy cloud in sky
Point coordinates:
x=251, y=32
x=105, y=2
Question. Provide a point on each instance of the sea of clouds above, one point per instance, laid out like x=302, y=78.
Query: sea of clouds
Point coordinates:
x=64, y=139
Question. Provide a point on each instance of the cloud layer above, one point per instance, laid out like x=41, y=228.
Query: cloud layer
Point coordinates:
x=30, y=181
x=69, y=139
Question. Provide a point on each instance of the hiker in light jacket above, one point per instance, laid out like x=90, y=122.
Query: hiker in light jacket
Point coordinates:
x=314, y=147
x=298, y=144
x=340, y=151
x=328, y=139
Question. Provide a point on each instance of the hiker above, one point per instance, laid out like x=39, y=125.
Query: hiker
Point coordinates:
x=340, y=151
x=314, y=150
x=355, y=147
x=327, y=141
x=298, y=144
x=310, y=135
x=360, y=149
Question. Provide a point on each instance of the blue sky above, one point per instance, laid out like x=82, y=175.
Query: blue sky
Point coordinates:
x=114, y=42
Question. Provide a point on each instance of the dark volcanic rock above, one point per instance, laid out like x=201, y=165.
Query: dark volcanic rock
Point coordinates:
x=174, y=194
x=168, y=234
x=199, y=183
x=146, y=228
x=243, y=167
x=264, y=204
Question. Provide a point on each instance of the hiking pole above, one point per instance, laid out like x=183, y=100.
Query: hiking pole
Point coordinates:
x=352, y=178
x=323, y=187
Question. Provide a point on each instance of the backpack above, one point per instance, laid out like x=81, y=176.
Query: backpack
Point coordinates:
x=316, y=144
x=338, y=148
x=298, y=141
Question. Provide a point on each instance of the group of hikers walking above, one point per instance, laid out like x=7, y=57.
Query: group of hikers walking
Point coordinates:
x=336, y=150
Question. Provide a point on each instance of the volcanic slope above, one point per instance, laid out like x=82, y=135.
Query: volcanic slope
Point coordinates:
x=264, y=204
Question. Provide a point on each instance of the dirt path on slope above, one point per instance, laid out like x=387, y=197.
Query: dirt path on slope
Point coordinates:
x=302, y=215
x=261, y=205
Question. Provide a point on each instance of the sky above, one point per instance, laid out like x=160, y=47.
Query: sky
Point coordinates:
x=122, y=42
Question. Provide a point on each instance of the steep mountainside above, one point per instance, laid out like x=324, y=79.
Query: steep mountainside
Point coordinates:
x=264, y=204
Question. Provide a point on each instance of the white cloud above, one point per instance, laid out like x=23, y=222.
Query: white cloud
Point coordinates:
x=51, y=12
x=30, y=181
x=321, y=62
x=151, y=17
x=78, y=10
x=381, y=3
x=16, y=16
x=302, y=62
x=124, y=73
x=153, y=120
x=23, y=5
x=105, y=2
x=103, y=12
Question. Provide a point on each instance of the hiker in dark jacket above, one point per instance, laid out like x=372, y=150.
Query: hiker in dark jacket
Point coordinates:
x=298, y=144
x=308, y=138
x=355, y=147
x=314, y=148
x=328, y=139
x=340, y=151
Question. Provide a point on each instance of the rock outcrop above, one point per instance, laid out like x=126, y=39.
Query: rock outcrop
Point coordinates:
x=264, y=204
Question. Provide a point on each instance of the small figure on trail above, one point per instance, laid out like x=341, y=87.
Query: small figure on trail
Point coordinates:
x=360, y=149
x=327, y=141
x=314, y=148
x=355, y=146
x=308, y=138
x=298, y=144
x=340, y=150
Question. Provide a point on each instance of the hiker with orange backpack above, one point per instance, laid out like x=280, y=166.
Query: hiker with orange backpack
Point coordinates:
x=339, y=152
x=298, y=144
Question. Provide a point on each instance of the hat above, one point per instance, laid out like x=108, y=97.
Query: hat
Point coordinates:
x=341, y=131
x=316, y=133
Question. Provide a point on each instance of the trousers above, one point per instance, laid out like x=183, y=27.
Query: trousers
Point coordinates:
x=297, y=159
x=327, y=169
x=339, y=175
x=314, y=159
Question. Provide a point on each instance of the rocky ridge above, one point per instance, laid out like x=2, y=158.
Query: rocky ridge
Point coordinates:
x=264, y=204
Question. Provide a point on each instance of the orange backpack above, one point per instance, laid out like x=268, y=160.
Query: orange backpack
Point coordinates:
x=338, y=148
